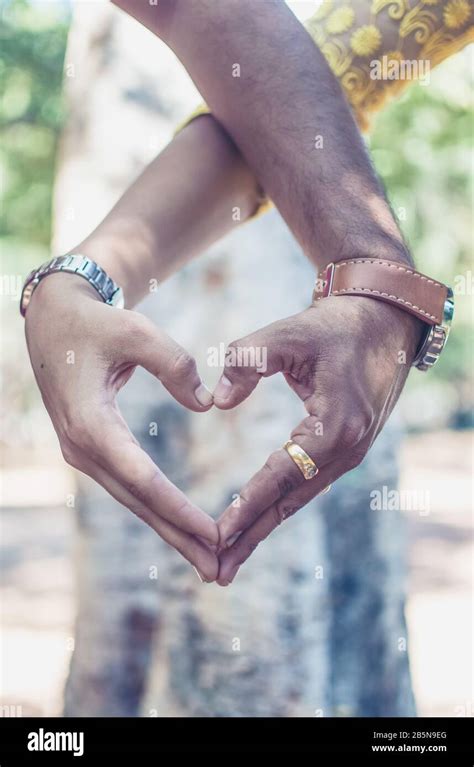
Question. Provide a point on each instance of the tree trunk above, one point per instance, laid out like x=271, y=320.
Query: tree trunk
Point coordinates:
x=314, y=623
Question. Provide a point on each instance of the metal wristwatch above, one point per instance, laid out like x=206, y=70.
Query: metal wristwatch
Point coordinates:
x=84, y=267
x=435, y=337
x=398, y=284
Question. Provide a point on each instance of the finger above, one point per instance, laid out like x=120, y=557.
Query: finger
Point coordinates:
x=277, y=477
x=135, y=471
x=197, y=553
x=234, y=557
x=169, y=362
x=115, y=449
x=280, y=475
x=246, y=362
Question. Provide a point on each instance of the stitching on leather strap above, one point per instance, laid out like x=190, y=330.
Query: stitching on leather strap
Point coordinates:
x=385, y=295
x=390, y=265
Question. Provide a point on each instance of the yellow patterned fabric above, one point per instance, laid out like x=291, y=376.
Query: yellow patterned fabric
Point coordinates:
x=377, y=47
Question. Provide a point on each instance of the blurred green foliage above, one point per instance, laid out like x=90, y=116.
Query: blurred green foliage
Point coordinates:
x=421, y=145
x=33, y=42
x=422, y=148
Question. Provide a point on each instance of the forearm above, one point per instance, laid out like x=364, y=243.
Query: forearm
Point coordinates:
x=192, y=194
x=287, y=114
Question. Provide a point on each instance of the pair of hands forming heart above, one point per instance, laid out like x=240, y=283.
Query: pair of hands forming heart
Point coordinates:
x=341, y=357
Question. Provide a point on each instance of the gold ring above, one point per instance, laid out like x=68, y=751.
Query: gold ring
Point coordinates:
x=305, y=464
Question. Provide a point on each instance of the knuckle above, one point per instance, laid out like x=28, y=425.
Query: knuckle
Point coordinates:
x=244, y=498
x=231, y=357
x=276, y=517
x=367, y=415
x=242, y=357
x=76, y=430
x=272, y=464
x=286, y=480
x=287, y=483
x=183, y=365
x=303, y=368
x=237, y=344
x=307, y=428
x=283, y=510
x=69, y=454
x=134, y=327
x=139, y=325
x=355, y=459
x=354, y=428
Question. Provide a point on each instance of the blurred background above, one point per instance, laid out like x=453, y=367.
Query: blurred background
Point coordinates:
x=422, y=148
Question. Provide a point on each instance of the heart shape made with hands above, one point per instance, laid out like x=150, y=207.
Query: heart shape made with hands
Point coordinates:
x=364, y=385
x=341, y=360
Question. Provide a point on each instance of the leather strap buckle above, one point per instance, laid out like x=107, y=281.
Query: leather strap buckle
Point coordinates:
x=323, y=284
x=329, y=279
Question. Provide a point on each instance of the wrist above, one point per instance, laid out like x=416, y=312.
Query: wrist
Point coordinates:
x=386, y=247
x=59, y=292
x=418, y=303
x=413, y=328
x=111, y=257
x=76, y=265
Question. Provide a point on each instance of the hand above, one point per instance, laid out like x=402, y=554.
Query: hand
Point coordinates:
x=347, y=359
x=83, y=352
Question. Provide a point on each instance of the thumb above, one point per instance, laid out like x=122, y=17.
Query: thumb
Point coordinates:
x=158, y=353
x=246, y=362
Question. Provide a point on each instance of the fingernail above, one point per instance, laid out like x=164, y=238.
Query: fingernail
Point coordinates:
x=232, y=539
x=199, y=575
x=203, y=395
x=326, y=490
x=223, y=388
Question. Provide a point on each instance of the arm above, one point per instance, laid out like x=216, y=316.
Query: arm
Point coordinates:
x=274, y=93
x=285, y=97
x=181, y=203
x=347, y=359
x=83, y=351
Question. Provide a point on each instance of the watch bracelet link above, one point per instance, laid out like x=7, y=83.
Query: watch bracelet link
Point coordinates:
x=84, y=267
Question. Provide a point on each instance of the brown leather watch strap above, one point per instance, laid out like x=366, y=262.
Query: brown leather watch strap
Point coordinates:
x=386, y=281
